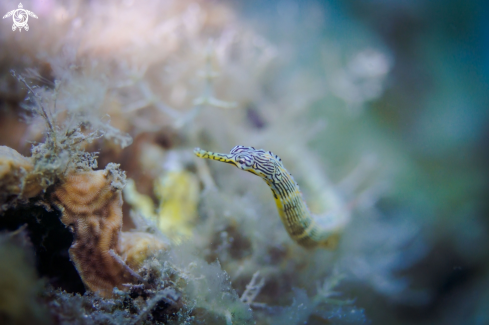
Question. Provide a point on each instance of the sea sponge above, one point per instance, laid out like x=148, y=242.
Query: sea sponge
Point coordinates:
x=16, y=178
x=91, y=205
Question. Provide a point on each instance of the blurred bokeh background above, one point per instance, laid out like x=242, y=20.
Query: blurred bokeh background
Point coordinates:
x=390, y=99
x=433, y=111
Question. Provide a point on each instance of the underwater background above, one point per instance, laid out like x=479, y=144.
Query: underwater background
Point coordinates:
x=378, y=108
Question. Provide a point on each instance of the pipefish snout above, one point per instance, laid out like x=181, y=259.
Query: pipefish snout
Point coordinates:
x=306, y=229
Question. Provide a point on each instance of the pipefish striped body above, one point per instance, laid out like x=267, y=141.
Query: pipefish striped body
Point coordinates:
x=304, y=228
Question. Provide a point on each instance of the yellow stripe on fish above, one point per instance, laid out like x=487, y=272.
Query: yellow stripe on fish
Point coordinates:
x=303, y=227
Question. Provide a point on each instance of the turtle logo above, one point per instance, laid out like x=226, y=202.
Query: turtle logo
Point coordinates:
x=20, y=17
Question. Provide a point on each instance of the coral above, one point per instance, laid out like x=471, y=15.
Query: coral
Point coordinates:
x=91, y=208
x=17, y=180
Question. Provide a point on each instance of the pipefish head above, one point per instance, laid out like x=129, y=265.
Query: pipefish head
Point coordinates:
x=256, y=161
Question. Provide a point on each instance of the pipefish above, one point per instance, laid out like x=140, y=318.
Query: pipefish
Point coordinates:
x=306, y=229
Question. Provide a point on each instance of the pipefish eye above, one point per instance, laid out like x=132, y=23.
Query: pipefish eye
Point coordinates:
x=245, y=160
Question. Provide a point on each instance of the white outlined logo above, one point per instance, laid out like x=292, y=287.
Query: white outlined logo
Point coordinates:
x=20, y=17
